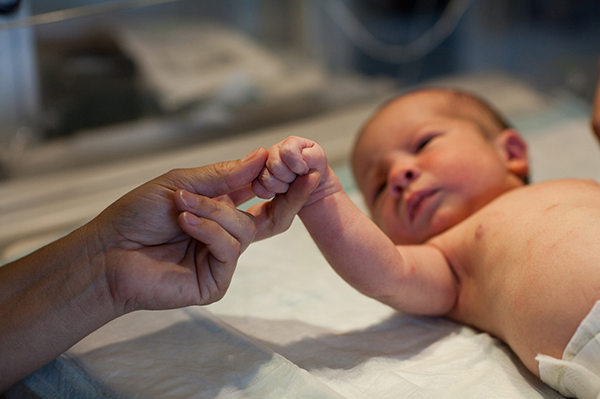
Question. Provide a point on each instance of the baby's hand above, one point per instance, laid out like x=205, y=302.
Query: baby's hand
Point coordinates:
x=292, y=157
x=297, y=174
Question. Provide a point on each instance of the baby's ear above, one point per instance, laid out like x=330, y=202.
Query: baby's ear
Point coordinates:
x=514, y=149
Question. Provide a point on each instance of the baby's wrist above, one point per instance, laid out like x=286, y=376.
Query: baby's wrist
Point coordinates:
x=328, y=185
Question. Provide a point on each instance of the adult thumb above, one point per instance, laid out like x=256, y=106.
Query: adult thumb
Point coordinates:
x=224, y=177
x=276, y=216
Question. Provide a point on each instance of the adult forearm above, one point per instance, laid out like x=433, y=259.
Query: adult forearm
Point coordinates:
x=49, y=300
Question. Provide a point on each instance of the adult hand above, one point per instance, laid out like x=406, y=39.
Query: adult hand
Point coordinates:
x=175, y=240
x=169, y=243
x=276, y=216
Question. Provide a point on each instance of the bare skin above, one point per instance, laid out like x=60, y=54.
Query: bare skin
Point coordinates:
x=454, y=232
x=526, y=266
x=170, y=243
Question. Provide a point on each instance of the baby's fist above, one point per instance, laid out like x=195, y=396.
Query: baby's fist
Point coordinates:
x=290, y=158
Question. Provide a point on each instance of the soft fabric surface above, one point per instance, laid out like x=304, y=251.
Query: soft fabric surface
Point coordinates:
x=577, y=373
x=289, y=327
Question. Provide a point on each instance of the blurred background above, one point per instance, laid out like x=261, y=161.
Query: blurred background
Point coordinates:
x=90, y=81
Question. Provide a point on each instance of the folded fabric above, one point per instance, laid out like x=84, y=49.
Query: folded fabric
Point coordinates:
x=577, y=374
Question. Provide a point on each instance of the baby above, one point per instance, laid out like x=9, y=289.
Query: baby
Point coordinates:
x=455, y=230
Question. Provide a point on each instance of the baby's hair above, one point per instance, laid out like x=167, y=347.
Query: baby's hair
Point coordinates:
x=458, y=103
x=462, y=103
x=490, y=121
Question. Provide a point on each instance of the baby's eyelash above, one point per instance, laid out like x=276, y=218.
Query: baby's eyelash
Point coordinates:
x=378, y=190
x=426, y=140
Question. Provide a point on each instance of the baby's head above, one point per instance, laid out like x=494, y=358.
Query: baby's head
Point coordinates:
x=429, y=159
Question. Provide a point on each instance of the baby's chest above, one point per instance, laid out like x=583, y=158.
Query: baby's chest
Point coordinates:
x=521, y=263
x=473, y=248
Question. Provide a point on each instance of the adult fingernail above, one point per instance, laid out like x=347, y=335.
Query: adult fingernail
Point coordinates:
x=190, y=219
x=251, y=155
x=189, y=199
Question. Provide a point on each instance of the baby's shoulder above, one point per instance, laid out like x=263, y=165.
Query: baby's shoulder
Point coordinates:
x=525, y=203
x=558, y=189
x=569, y=183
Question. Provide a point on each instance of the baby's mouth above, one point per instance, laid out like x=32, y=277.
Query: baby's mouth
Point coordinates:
x=416, y=201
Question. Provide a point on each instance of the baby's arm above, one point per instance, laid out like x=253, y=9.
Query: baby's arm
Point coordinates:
x=414, y=279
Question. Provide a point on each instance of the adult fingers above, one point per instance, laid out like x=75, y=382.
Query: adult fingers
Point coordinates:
x=275, y=216
x=237, y=197
x=220, y=178
x=237, y=223
x=216, y=261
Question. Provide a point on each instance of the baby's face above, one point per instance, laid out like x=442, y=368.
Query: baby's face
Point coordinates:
x=423, y=170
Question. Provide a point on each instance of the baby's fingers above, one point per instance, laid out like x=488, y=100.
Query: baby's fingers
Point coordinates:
x=290, y=151
x=300, y=155
x=277, y=166
x=315, y=158
x=271, y=183
x=276, y=216
x=260, y=191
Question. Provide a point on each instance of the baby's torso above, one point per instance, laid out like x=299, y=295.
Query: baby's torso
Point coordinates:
x=528, y=265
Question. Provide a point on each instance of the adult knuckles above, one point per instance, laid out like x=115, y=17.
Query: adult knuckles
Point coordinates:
x=250, y=226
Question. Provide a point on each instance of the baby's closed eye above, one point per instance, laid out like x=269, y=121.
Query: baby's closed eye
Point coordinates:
x=425, y=141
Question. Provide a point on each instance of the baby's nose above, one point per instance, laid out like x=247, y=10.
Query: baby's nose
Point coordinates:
x=400, y=177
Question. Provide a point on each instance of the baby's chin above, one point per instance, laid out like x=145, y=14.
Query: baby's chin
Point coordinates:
x=444, y=221
x=438, y=225
x=411, y=239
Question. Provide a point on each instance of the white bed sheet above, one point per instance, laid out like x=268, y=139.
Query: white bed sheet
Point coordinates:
x=289, y=327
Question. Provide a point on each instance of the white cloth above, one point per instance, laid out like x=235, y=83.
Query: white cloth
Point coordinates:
x=577, y=374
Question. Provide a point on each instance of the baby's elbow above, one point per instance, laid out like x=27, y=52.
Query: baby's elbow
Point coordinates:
x=447, y=303
x=440, y=301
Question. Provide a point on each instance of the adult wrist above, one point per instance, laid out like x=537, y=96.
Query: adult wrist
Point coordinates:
x=86, y=257
x=95, y=250
x=49, y=300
